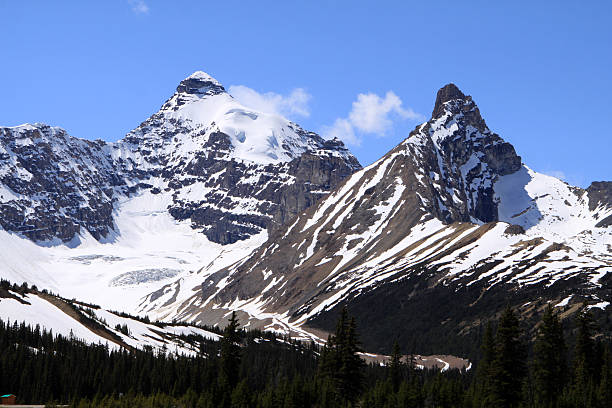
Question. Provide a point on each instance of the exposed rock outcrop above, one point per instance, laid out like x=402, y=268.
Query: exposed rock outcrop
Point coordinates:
x=230, y=171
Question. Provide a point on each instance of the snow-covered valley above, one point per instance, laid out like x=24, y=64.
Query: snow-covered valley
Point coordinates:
x=147, y=249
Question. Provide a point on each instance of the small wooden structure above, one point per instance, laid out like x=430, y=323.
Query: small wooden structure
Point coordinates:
x=8, y=399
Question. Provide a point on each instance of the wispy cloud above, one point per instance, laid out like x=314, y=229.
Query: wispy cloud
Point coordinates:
x=139, y=6
x=572, y=178
x=370, y=114
x=291, y=105
x=557, y=173
x=343, y=130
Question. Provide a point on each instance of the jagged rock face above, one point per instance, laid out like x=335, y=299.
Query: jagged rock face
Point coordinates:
x=200, y=84
x=273, y=193
x=450, y=216
x=600, y=197
x=230, y=171
x=464, y=157
x=52, y=185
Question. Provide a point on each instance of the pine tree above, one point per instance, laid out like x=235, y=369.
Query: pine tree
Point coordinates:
x=549, y=366
x=339, y=365
x=481, y=388
x=241, y=396
x=605, y=385
x=330, y=360
x=351, y=371
x=508, y=367
x=230, y=355
x=395, y=367
x=584, y=359
x=585, y=345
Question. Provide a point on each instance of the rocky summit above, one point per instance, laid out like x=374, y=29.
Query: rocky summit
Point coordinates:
x=230, y=171
x=450, y=224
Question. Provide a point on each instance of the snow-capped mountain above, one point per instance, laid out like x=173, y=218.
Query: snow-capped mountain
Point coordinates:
x=449, y=223
x=231, y=171
x=195, y=187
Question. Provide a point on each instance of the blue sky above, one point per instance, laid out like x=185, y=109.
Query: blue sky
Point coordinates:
x=540, y=73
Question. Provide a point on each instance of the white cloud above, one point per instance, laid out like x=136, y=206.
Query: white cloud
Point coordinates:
x=370, y=114
x=342, y=129
x=373, y=114
x=139, y=6
x=294, y=104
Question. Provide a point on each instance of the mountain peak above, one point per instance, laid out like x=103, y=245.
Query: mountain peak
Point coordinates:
x=200, y=83
x=447, y=93
x=203, y=76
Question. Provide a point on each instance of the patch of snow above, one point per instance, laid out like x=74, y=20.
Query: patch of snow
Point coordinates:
x=446, y=365
x=40, y=312
x=600, y=305
x=564, y=302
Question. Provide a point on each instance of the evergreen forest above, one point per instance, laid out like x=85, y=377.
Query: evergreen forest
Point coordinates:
x=257, y=369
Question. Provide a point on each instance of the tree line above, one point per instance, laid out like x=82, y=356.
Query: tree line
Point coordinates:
x=255, y=369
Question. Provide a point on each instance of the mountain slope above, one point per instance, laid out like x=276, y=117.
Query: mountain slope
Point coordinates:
x=194, y=188
x=94, y=325
x=449, y=222
x=231, y=171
